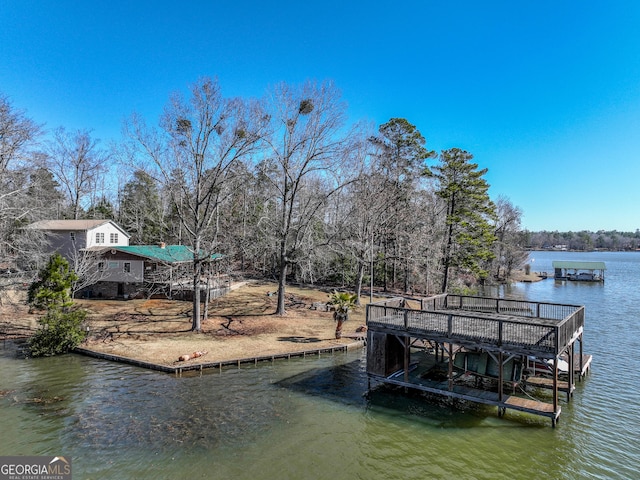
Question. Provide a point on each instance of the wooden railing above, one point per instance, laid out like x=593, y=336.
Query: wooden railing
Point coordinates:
x=521, y=332
x=521, y=308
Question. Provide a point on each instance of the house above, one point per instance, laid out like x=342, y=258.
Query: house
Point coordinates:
x=100, y=253
x=132, y=270
x=68, y=237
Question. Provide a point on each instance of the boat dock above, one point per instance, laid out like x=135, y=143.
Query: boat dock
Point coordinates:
x=579, y=271
x=478, y=349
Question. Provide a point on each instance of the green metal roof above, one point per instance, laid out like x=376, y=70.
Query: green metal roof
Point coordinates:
x=166, y=254
x=580, y=265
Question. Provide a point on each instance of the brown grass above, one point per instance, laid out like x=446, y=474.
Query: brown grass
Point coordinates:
x=240, y=325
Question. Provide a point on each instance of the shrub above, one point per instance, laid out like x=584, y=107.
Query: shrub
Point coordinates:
x=61, y=326
x=60, y=331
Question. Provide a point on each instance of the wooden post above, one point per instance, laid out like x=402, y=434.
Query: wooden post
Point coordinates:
x=571, y=372
x=500, y=377
x=407, y=357
x=581, y=357
x=450, y=366
x=555, y=386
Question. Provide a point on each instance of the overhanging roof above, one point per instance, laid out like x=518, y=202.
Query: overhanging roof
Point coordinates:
x=579, y=265
x=73, y=225
x=166, y=254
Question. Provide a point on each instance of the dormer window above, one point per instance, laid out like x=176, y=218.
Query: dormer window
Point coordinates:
x=113, y=238
x=99, y=237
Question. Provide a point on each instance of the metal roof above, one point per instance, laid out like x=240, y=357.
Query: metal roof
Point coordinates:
x=579, y=265
x=166, y=254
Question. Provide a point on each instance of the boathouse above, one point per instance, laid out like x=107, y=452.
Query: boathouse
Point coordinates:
x=479, y=349
x=579, y=271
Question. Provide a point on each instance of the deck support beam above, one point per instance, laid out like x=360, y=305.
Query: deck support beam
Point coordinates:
x=407, y=357
x=500, y=377
x=555, y=384
x=450, y=367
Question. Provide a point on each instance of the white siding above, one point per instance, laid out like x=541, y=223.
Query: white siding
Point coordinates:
x=109, y=234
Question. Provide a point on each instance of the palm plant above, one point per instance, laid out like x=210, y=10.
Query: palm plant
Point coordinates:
x=343, y=302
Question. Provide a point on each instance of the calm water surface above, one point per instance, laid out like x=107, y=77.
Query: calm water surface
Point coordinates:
x=310, y=418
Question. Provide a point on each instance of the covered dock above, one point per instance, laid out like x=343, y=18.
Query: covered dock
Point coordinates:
x=478, y=349
x=579, y=271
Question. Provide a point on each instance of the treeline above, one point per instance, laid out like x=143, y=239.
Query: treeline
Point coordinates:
x=284, y=186
x=584, y=240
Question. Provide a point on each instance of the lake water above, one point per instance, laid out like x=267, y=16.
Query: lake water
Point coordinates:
x=310, y=418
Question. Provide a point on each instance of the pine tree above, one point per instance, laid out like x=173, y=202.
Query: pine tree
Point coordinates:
x=61, y=327
x=469, y=237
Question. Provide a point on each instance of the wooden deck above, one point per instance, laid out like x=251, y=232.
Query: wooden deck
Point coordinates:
x=547, y=383
x=504, y=329
x=520, y=332
x=486, y=397
x=586, y=364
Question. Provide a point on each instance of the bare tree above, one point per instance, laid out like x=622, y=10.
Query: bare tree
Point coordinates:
x=192, y=158
x=89, y=270
x=77, y=163
x=508, y=253
x=20, y=188
x=18, y=134
x=308, y=148
x=360, y=210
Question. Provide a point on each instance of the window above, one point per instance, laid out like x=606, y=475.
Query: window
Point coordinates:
x=113, y=238
x=101, y=266
x=127, y=266
x=113, y=265
x=73, y=236
x=99, y=237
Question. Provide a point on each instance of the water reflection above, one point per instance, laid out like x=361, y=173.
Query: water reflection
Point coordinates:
x=311, y=418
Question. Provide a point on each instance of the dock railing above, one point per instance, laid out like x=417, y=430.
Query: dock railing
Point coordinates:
x=531, y=327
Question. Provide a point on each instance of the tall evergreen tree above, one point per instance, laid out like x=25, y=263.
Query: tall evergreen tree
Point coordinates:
x=400, y=159
x=141, y=209
x=469, y=235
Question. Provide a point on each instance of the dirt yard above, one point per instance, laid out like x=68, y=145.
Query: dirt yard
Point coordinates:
x=240, y=325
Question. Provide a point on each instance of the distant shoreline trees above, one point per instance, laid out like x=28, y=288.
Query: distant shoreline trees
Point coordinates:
x=584, y=240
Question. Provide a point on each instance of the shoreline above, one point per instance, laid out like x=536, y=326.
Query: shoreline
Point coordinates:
x=219, y=364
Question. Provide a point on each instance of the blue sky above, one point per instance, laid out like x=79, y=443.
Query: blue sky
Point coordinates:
x=544, y=94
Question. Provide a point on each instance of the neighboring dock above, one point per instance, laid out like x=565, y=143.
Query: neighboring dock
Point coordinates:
x=478, y=349
x=579, y=271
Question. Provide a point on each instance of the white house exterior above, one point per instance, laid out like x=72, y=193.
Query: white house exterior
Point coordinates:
x=67, y=237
